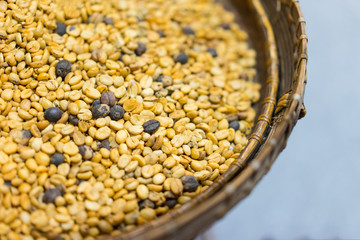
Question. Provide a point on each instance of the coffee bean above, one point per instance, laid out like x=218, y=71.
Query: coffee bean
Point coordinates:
x=50, y=195
x=73, y=120
x=53, y=114
x=108, y=98
x=108, y=21
x=151, y=126
x=57, y=159
x=63, y=67
x=26, y=134
x=225, y=26
x=116, y=112
x=188, y=30
x=86, y=152
x=212, y=52
x=60, y=28
x=161, y=33
x=146, y=204
x=182, y=58
x=96, y=102
x=105, y=144
x=190, y=183
x=141, y=49
x=234, y=125
x=100, y=111
x=170, y=203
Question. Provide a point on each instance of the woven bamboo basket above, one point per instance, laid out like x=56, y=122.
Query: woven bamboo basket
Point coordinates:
x=277, y=32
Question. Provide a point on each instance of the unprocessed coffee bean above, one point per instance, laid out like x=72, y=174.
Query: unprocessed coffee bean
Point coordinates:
x=212, y=52
x=182, y=58
x=170, y=203
x=116, y=112
x=225, y=26
x=86, y=152
x=160, y=78
x=26, y=134
x=161, y=33
x=190, y=183
x=151, y=126
x=96, y=18
x=108, y=98
x=57, y=159
x=169, y=195
x=108, y=21
x=146, y=204
x=96, y=102
x=60, y=28
x=188, y=31
x=141, y=49
x=234, y=125
x=73, y=119
x=100, y=111
x=167, y=81
x=50, y=195
x=105, y=144
x=53, y=114
x=63, y=67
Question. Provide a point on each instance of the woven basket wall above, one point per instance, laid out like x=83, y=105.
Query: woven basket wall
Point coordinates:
x=277, y=32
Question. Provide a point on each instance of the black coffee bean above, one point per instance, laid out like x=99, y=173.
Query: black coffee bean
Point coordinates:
x=182, y=58
x=105, y=144
x=121, y=56
x=160, y=78
x=50, y=195
x=63, y=67
x=8, y=183
x=108, y=21
x=225, y=26
x=100, y=111
x=212, y=52
x=151, y=126
x=188, y=30
x=73, y=120
x=234, y=125
x=116, y=112
x=26, y=134
x=57, y=159
x=169, y=195
x=146, y=204
x=141, y=49
x=60, y=28
x=59, y=238
x=96, y=102
x=170, y=203
x=161, y=33
x=53, y=114
x=190, y=183
x=86, y=152
x=108, y=98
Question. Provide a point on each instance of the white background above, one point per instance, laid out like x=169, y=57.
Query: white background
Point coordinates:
x=312, y=190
